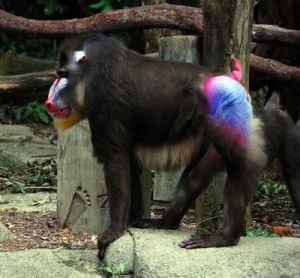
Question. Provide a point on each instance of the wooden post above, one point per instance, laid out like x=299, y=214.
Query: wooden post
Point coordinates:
x=81, y=195
x=227, y=31
x=183, y=49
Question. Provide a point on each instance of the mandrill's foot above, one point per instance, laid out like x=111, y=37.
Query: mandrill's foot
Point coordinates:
x=110, y=235
x=201, y=240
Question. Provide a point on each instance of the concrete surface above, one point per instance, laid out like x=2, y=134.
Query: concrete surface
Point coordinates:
x=49, y=264
x=29, y=202
x=18, y=145
x=156, y=254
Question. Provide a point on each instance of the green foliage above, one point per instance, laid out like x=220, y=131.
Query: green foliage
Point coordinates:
x=111, y=271
x=260, y=233
x=35, y=174
x=271, y=185
x=109, y=5
x=33, y=111
x=37, y=112
x=51, y=6
x=38, y=48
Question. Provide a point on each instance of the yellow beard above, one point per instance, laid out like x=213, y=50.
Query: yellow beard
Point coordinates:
x=65, y=123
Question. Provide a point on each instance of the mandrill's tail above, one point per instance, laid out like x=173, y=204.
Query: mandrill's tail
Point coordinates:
x=237, y=71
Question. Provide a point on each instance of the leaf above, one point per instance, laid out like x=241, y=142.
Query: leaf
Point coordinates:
x=83, y=234
x=121, y=268
x=107, y=8
x=46, y=200
x=44, y=118
x=108, y=270
x=66, y=231
x=282, y=231
x=11, y=225
x=250, y=234
x=266, y=219
x=99, y=4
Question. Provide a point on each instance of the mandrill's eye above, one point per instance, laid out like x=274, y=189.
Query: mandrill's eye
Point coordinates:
x=79, y=56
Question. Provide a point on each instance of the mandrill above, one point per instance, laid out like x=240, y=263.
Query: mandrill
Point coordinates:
x=165, y=115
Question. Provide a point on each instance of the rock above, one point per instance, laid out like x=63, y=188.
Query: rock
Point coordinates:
x=155, y=253
x=18, y=145
x=49, y=263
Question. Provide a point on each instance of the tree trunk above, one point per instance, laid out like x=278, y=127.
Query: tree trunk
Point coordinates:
x=227, y=31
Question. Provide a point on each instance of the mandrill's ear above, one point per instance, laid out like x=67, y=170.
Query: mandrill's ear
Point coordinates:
x=79, y=56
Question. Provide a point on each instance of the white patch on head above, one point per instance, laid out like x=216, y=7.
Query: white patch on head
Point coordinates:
x=79, y=55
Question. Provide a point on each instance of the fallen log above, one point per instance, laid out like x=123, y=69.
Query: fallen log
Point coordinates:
x=12, y=63
x=22, y=88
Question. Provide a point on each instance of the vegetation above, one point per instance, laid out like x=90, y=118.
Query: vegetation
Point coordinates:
x=31, y=112
x=36, y=176
x=52, y=9
x=271, y=184
x=261, y=233
x=113, y=272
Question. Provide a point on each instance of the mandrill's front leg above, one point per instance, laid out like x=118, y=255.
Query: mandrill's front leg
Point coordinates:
x=118, y=179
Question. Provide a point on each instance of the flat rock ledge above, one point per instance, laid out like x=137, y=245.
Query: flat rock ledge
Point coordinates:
x=155, y=254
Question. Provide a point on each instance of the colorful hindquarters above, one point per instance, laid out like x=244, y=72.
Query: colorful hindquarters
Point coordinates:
x=229, y=108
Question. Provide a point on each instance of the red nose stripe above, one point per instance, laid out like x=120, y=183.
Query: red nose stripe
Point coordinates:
x=55, y=85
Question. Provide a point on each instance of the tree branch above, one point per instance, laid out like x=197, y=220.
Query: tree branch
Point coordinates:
x=157, y=16
x=273, y=70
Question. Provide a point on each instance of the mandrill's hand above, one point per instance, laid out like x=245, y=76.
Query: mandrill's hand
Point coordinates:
x=110, y=235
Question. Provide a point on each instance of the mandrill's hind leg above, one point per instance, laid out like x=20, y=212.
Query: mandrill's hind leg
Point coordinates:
x=239, y=188
x=243, y=170
x=194, y=181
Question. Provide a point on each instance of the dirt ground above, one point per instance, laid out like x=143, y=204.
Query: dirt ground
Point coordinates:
x=40, y=230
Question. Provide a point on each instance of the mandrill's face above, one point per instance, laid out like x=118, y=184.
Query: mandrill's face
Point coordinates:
x=66, y=96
